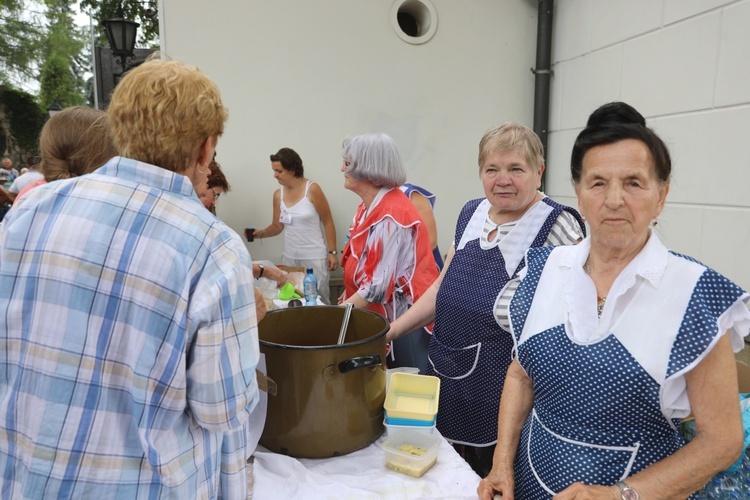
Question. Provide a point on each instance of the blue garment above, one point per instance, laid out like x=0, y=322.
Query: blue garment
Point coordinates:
x=128, y=341
x=7, y=176
x=598, y=415
x=468, y=350
x=407, y=189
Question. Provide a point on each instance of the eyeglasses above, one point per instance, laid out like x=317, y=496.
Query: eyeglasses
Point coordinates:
x=216, y=193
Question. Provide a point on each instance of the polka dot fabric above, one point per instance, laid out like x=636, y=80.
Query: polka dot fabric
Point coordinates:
x=469, y=394
x=713, y=294
x=468, y=350
x=521, y=301
x=595, y=395
x=598, y=394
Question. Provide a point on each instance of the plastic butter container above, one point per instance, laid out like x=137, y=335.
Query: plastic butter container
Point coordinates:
x=412, y=396
x=408, y=421
x=391, y=429
x=401, y=369
x=411, y=452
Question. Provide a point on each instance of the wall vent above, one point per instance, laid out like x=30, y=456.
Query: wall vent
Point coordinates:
x=414, y=21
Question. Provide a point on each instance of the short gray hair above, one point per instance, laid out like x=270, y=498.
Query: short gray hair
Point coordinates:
x=374, y=158
x=510, y=136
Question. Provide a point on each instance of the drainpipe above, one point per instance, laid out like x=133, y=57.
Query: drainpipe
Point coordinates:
x=543, y=74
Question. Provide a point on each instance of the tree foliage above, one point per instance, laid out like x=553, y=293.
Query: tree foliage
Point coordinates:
x=21, y=34
x=24, y=116
x=62, y=69
x=140, y=11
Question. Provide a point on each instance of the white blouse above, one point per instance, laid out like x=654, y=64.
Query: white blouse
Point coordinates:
x=645, y=308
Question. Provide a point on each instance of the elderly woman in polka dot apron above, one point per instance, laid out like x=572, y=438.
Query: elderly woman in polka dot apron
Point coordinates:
x=468, y=350
x=617, y=339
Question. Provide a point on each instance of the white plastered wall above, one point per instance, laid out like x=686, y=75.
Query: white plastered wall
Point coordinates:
x=685, y=64
x=305, y=74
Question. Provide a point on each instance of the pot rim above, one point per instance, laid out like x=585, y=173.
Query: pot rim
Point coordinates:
x=329, y=346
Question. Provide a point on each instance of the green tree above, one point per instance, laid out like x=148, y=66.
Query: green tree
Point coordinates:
x=21, y=121
x=21, y=33
x=140, y=11
x=62, y=69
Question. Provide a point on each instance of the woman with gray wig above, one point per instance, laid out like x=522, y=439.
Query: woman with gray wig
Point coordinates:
x=387, y=261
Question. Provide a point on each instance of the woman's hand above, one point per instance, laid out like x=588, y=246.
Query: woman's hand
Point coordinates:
x=277, y=275
x=260, y=304
x=498, y=481
x=515, y=406
x=342, y=298
x=333, y=262
x=580, y=491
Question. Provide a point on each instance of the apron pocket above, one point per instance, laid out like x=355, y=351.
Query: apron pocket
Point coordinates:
x=557, y=462
x=451, y=362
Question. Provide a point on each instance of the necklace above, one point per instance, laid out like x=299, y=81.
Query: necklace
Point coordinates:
x=599, y=300
x=600, y=305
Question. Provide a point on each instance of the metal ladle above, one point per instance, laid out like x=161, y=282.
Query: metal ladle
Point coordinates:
x=345, y=323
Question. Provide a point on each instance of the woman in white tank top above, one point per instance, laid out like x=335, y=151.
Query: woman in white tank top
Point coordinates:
x=301, y=208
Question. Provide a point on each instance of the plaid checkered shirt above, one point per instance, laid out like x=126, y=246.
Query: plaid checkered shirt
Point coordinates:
x=128, y=341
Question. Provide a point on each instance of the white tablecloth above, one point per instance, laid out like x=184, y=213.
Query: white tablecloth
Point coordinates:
x=360, y=475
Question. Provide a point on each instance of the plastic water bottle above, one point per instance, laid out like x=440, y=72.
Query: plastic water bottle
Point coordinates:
x=310, y=287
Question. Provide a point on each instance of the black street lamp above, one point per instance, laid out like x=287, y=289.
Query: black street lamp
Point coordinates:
x=121, y=36
x=53, y=109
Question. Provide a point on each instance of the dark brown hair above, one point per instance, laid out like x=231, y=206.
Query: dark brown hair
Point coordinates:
x=216, y=178
x=290, y=160
x=615, y=122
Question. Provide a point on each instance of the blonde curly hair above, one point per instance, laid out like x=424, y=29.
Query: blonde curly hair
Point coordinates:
x=162, y=111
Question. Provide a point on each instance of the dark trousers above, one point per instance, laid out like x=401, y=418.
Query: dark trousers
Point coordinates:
x=4, y=207
x=411, y=350
x=478, y=457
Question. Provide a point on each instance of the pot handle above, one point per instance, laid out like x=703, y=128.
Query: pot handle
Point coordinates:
x=359, y=362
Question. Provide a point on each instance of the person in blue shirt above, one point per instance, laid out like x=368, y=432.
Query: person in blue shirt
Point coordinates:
x=128, y=329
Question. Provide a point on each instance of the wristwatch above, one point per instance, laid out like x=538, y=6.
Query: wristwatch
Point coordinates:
x=262, y=270
x=627, y=492
x=333, y=252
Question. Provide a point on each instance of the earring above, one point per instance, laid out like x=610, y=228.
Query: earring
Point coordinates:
x=654, y=222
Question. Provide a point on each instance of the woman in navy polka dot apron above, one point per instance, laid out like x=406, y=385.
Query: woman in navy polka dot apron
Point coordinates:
x=468, y=351
x=633, y=342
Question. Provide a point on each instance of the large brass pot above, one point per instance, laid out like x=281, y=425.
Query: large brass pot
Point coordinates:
x=330, y=397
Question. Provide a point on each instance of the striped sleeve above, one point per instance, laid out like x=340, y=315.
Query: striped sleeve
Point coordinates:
x=565, y=231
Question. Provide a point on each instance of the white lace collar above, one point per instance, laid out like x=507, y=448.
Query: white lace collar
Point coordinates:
x=580, y=292
x=514, y=245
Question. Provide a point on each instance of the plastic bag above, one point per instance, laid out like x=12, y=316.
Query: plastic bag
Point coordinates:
x=268, y=289
x=735, y=481
x=745, y=409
